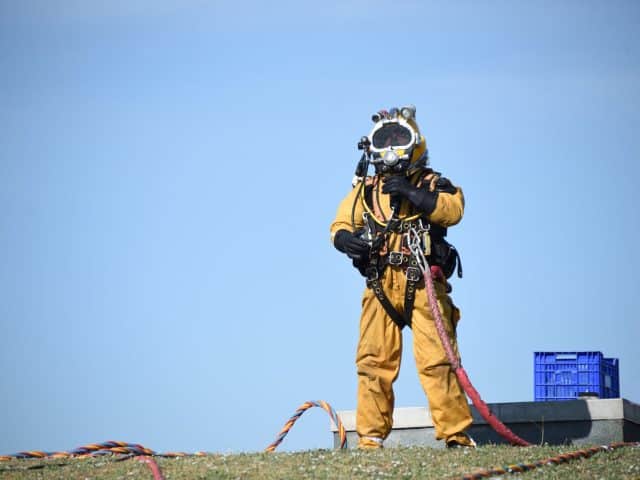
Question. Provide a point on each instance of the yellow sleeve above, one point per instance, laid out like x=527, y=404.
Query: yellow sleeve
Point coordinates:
x=343, y=215
x=449, y=208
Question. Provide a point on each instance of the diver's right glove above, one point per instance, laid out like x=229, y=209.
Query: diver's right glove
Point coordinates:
x=355, y=248
x=422, y=198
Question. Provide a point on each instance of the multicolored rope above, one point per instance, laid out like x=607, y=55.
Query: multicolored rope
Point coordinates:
x=298, y=413
x=134, y=449
x=91, y=450
x=557, y=460
x=110, y=447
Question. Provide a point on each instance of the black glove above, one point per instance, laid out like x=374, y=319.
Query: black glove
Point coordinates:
x=422, y=198
x=355, y=248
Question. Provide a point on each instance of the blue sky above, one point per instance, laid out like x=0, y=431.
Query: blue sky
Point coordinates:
x=169, y=171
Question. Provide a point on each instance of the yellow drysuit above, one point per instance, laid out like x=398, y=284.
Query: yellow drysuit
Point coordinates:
x=380, y=343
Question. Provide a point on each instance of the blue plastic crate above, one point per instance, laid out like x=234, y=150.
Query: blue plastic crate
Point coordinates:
x=611, y=377
x=569, y=375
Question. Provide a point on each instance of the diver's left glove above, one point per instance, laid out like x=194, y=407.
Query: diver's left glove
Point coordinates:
x=422, y=198
x=355, y=247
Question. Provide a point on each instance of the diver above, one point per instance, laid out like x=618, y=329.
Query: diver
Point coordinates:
x=372, y=228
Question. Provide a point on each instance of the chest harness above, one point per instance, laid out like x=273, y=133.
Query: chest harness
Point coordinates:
x=377, y=230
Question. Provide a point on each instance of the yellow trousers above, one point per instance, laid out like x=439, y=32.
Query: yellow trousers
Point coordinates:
x=378, y=361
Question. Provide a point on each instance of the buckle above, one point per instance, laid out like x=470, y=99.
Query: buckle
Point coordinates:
x=372, y=273
x=413, y=274
x=395, y=225
x=395, y=258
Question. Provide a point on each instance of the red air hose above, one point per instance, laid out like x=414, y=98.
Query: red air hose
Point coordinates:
x=473, y=394
x=155, y=469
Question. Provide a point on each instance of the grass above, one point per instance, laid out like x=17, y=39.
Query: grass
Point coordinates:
x=392, y=463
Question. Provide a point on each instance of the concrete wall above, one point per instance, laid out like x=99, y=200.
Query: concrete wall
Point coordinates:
x=576, y=422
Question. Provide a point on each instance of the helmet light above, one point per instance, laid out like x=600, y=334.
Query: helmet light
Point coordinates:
x=379, y=115
x=408, y=112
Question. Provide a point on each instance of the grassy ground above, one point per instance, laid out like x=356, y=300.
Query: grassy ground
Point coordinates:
x=396, y=463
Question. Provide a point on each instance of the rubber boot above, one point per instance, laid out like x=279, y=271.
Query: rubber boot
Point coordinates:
x=460, y=439
x=369, y=443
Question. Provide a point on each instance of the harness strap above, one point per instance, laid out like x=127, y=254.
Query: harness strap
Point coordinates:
x=413, y=277
x=373, y=282
x=399, y=320
x=409, y=298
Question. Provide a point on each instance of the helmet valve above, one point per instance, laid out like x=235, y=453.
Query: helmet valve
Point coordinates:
x=390, y=158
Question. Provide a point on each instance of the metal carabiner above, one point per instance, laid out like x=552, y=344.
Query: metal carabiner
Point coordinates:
x=414, y=244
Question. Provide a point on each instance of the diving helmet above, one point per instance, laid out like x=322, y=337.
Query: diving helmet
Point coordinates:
x=395, y=143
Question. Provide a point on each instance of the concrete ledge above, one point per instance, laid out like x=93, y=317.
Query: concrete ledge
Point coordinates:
x=578, y=422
